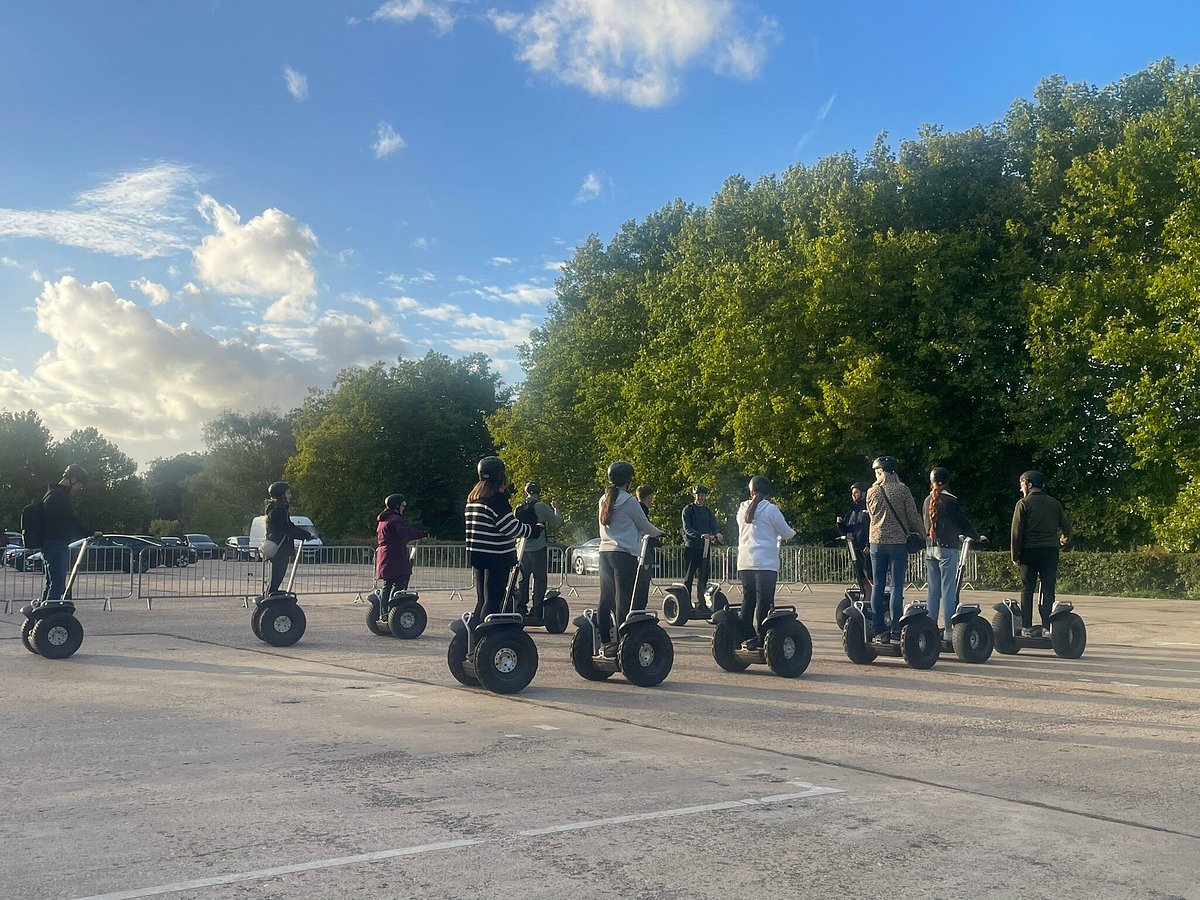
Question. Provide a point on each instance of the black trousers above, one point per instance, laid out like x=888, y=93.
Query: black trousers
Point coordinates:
x=490, y=584
x=758, y=595
x=279, y=566
x=618, y=575
x=697, y=565
x=394, y=586
x=534, y=564
x=1038, y=563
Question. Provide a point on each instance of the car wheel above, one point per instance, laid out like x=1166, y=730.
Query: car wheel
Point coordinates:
x=577, y=564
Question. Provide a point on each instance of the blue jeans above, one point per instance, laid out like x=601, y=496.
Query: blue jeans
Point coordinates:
x=56, y=561
x=941, y=568
x=883, y=556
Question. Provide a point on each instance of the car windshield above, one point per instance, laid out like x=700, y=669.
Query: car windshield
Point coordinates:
x=201, y=538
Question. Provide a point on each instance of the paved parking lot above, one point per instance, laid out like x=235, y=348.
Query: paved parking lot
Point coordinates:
x=176, y=755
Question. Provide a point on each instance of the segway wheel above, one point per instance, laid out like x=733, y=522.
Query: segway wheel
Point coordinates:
x=646, y=656
x=788, y=648
x=920, y=643
x=719, y=602
x=581, y=657
x=674, y=611
x=974, y=640
x=854, y=642
x=56, y=637
x=724, y=643
x=373, y=625
x=256, y=622
x=840, y=614
x=1002, y=633
x=456, y=655
x=282, y=625
x=407, y=620
x=26, y=629
x=1068, y=636
x=506, y=661
x=556, y=614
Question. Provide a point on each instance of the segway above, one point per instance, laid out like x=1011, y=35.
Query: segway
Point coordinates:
x=278, y=619
x=920, y=644
x=972, y=639
x=401, y=616
x=784, y=643
x=853, y=594
x=551, y=612
x=51, y=629
x=644, y=652
x=1067, y=638
x=677, y=604
x=496, y=653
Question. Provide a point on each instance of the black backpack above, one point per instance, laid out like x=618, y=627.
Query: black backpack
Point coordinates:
x=526, y=512
x=33, y=525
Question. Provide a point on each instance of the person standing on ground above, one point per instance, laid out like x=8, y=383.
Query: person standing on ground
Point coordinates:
x=392, y=563
x=894, y=517
x=59, y=528
x=945, y=522
x=1039, y=528
x=622, y=524
x=536, y=556
x=492, y=533
x=698, y=523
x=645, y=496
x=761, y=529
x=282, y=531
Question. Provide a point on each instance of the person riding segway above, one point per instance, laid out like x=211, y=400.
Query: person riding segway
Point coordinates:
x=50, y=628
x=855, y=528
x=277, y=618
x=546, y=608
x=394, y=609
x=769, y=634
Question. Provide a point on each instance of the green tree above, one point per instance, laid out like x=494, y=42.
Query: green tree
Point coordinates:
x=116, y=499
x=27, y=464
x=166, y=479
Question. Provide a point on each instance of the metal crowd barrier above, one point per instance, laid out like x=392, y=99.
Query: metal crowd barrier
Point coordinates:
x=106, y=574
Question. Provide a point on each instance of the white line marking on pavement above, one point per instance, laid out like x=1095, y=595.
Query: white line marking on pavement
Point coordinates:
x=283, y=870
x=512, y=735
x=546, y=727
x=1175, y=644
x=399, y=694
x=1124, y=684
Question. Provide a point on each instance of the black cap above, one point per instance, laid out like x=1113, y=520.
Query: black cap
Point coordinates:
x=533, y=488
x=1034, y=477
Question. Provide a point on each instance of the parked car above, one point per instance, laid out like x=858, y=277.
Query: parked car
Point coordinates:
x=238, y=549
x=147, y=552
x=205, y=547
x=13, y=547
x=175, y=552
x=23, y=560
x=586, y=557
x=311, y=551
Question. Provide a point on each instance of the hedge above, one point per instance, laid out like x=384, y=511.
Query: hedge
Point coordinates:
x=1142, y=573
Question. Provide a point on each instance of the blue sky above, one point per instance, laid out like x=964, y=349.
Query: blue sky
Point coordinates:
x=220, y=204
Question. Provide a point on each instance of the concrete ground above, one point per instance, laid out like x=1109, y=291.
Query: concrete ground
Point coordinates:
x=177, y=755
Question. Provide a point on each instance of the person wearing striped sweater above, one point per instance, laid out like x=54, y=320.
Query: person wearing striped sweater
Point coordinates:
x=492, y=533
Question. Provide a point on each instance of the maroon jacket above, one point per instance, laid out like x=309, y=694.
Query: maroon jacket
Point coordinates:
x=392, y=562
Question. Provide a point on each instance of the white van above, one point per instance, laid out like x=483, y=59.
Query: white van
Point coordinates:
x=311, y=550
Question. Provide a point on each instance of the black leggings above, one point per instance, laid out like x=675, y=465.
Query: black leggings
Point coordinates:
x=698, y=565
x=618, y=574
x=758, y=595
x=279, y=566
x=394, y=586
x=1038, y=562
x=490, y=584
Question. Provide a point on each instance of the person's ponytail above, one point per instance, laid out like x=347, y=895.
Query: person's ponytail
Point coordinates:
x=935, y=494
x=754, y=501
x=606, y=505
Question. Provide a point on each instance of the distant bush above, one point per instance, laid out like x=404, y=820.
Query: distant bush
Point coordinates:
x=1142, y=573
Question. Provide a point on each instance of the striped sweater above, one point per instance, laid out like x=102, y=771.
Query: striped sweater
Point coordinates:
x=492, y=532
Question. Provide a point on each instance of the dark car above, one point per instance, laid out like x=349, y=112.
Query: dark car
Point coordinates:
x=146, y=553
x=205, y=547
x=585, y=558
x=174, y=551
x=239, y=549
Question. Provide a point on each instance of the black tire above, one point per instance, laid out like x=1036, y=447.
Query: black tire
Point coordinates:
x=407, y=620
x=675, y=611
x=840, y=614
x=506, y=661
x=724, y=643
x=581, y=657
x=788, y=648
x=373, y=625
x=256, y=622
x=456, y=655
x=556, y=614
x=1003, y=636
x=282, y=625
x=646, y=656
x=1068, y=636
x=719, y=602
x=56, y=637
x=974, y=640
x=920, y=643
x=854, y=642
x=26, y=628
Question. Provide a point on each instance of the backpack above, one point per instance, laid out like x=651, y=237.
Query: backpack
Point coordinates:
x=527, y=513
x=33, y=525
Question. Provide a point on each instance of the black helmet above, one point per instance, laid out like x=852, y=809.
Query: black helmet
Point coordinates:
x=533, y=488
x=75, y=472
x=939, y=475
x=491, y=468
x=393, y=501
x=1034, y=477
x=278, y=489
x=859, y=486
x=760, y=484
x=887, y=463
x=620, y=472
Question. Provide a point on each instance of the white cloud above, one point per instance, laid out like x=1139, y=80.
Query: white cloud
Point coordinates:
x=139, y=214
x=555, y=265
x=591, y=188
x=501, y=261
x=387, y=141
x=340, y=338
x=524, y=293
x=157, y=293
x=422, y=243
x=636, y=50
x=437, y=11
x=297, y=84
x=820, y=117
x=8, y=261
x=269, y=256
